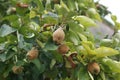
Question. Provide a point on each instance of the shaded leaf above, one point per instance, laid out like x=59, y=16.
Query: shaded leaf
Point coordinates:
x=3, y=57
x=57, y=56
x=50, y=45
x=2, y=46
x=21, y=41
x=83, y=74
x=6, y=30
x=7, y=71
x=38, y=64
x=9, y=55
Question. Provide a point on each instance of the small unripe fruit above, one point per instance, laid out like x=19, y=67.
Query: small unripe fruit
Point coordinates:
x=17, y=69
x=22, y=5
x=47, y=25
x=56, y=1
x=63, y=49
x=58, y=35
x=13, y=9
x=32, y=54
x=93, y=68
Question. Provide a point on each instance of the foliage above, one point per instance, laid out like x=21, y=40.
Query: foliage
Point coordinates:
x=29, y=51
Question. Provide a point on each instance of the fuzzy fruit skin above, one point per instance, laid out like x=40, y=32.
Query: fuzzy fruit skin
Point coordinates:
x=17, y=69
x=58, y=35
x=32, y=54
x=93, y=68
x=63, y=49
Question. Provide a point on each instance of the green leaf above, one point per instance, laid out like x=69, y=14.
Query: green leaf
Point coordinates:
x=38, y=64
x=73, y=37
x=6, y=30
x=14, y=21
x=29, y=31
x=90, y=75
x=3, y=57
x=83, y=74
x=75, y=27
x=7, y=70
x=64, y=6
x=2, y=39
x=2, y=67
x=52, y=73
x=48, y=5
x=32, y=14
x=10, y=55
x=117, y=24
x=53, y=61
x=34, y=27
x=21, y=11
x=57, y=56
x=82, y=37
x=93, y=14
x=89, y=47
x=40, y=43
x=61, y=10
x=102, y=74
x=11, y=38
x=50, y=18
x=21, y=42
x=85, y=21
x=106, y=42
x=114, y=18
x=117, y=35
x=113, y=65
x=2, y=46
x=105, y=51
x=50, y=45
x=40, y=5
x=116, y=76
x=71, y=5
